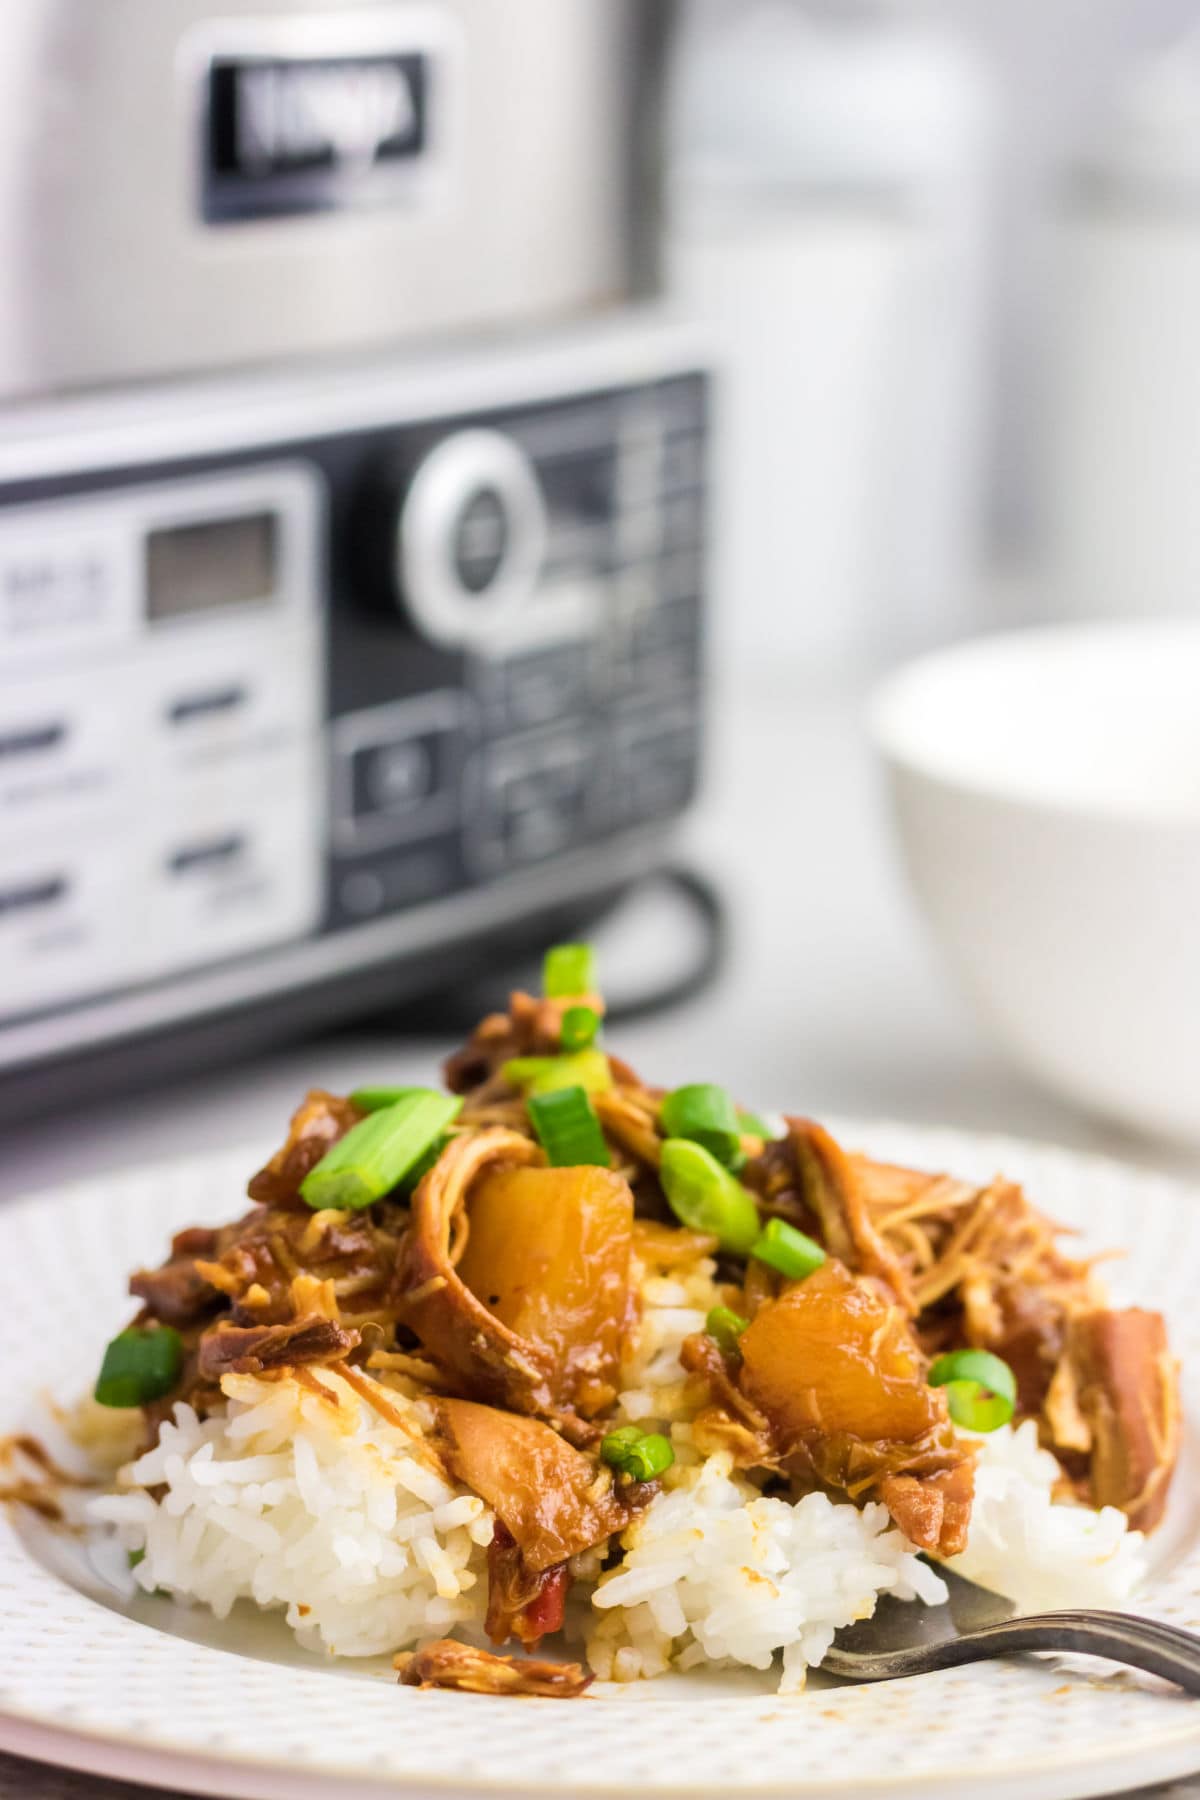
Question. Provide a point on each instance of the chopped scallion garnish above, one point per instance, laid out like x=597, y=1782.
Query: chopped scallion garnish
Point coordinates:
x=726, y=1326
x=981, y=1389
x=408, y=1183
x=567, y=970
x=140, y=1365
x=784, y=1248
x=706, y=1114
x=374, y=1099
x=587, y=1069
x=639, y=1454
x=567, y=1128
x=752, y=1124
x=579, y=1027
x=376, y=1154
x=705, y=1196
x=519, y=1071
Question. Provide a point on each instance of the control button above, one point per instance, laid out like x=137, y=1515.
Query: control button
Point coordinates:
x=362, y=893
x=243, y=703
x=682, y=574
x=397, y=771
x=235, y=869
x=398, y=789
x=69, y=756
x=206, y=703
x=30, y=740
x=26, y=896
x=683, y=521
x=398, y=777
x=68, y=925
x=655, y=758
x=666, y=648
x=209, y=853
x=536, y=688
x=470, y=537
x=682, y=464
x=658, y=646
x=639, y=531
x=535, y=800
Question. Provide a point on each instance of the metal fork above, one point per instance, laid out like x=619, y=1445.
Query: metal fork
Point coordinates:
x=907, y=1638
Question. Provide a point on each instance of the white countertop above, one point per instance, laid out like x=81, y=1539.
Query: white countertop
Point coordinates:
x=833, y=1000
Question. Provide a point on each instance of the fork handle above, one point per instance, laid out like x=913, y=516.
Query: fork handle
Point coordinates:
x=1122, y=1637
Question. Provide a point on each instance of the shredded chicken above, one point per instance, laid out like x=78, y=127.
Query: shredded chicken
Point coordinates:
x=531, y=1027
x=550, y=1497
x=178, y=1293
x=1126, y=1383
x=523, y=1603
x=808, y=1177
x=248, y=1350
x=316, y=1126
x=453, y=1324
x=447, y=1664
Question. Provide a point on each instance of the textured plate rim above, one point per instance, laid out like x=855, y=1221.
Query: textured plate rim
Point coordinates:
x=246, y=1778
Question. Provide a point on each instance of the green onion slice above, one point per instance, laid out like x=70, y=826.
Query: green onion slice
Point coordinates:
x=726, y=1327
x=782, y=1247
x=706, y=1114
x=639, y=1454
x=423, y=1164
x=616, y=1441
x=981, y=1389
x=587, y=1069
x=705, y=1196
x=752, y=1124
x=519, y=1071
x=567, y=1128
x=140, y=1365
x=374, y=1099
x=376, y=1154
x=579, y=1027
x=569, y=969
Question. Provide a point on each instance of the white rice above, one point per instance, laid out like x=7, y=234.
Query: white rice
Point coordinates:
x=715, y=1572
x=653, y=1384
x=335, y=1517
x=327, y=1514
x=1040, y=1552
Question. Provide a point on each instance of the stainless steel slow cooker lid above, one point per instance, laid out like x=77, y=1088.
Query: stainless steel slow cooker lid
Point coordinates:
x=185, y=187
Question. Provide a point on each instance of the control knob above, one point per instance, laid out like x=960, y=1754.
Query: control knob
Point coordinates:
x=469, y=538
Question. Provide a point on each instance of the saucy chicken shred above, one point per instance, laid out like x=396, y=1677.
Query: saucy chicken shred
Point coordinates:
x=502, y=1283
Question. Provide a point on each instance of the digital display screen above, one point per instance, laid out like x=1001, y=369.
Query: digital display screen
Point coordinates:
x=210, y=565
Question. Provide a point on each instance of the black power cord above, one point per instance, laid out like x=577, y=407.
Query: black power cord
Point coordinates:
x=706, y=901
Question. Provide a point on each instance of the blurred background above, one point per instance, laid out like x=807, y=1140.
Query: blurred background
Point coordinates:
x=465, y=473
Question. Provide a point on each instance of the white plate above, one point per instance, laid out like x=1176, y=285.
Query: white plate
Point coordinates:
x=167, y=1695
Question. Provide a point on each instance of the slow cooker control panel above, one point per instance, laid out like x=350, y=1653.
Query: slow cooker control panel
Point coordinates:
x=517, y=677
x=263, y=698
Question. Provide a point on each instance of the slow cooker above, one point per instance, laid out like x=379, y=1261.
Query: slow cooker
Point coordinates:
x=352, y=511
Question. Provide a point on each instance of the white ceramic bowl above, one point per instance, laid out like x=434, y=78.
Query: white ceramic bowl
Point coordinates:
x=1047, y=790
